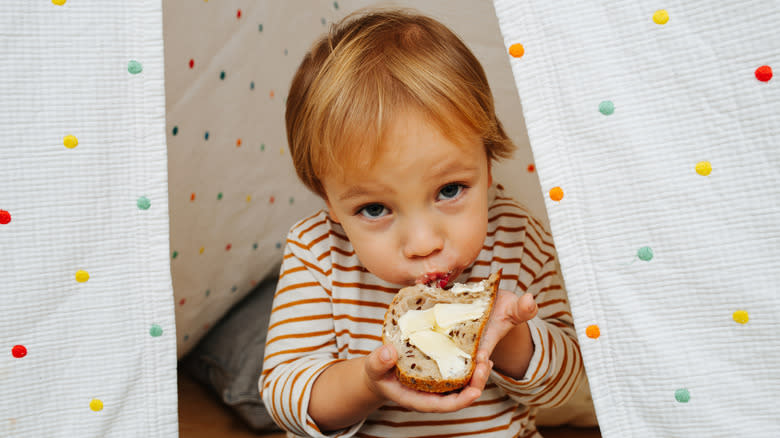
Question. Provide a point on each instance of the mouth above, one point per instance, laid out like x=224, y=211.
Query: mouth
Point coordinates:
x=436, y=279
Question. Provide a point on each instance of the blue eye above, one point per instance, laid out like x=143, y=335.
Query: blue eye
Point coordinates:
x=373, y=211
x=450, y=191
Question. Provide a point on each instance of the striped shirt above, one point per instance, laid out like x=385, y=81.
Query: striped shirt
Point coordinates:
x=329, y=308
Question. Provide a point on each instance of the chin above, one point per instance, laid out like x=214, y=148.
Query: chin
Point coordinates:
x=393, y=277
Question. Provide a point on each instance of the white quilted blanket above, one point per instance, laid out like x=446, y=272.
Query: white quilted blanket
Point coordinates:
x=659, y=123
x=87, y=336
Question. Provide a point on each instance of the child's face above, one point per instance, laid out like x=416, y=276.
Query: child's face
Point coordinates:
x=420, y=211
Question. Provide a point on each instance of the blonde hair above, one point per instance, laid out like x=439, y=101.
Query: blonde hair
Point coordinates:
x=371, y=66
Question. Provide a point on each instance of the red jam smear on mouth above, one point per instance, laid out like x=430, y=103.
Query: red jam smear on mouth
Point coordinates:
x=439, y=279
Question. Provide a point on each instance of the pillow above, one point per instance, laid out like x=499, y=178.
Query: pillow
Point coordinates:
x=229, y=359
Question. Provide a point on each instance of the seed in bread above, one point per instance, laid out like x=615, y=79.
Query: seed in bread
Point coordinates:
x=437, y=332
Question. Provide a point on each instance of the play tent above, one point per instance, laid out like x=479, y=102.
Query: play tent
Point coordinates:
x=146, y=188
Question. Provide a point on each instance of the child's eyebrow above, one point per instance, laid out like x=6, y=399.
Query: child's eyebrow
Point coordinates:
x=455, y=168
x=355, y=192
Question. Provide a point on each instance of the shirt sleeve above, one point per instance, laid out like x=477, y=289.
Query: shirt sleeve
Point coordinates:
x=556, y=368
x=301, y=341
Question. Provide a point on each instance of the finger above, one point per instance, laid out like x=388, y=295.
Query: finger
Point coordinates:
x=528, y=301
x=490, y=338
x=466, y=396
x=380, y=361
x=453, y=402
x=524, y=309
x=431, y=402
x=481, y=374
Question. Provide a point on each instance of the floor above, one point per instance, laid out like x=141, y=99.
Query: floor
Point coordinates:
x=201, y=415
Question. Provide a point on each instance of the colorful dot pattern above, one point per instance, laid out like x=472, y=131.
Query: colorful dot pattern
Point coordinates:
x=230, y=148
x=661, y=17
x=64, y=143
x=702, y=168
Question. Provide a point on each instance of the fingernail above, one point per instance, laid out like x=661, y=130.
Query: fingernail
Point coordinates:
x=384, y=354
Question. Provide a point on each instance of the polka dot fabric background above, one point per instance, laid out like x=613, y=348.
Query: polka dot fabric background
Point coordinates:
x=87, y=333
x=233, y=189
x=656, y=132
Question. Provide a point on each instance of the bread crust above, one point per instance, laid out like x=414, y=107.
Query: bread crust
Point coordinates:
x=437, y=384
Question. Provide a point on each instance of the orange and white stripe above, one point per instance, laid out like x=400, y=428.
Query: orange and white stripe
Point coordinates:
x=328, y=308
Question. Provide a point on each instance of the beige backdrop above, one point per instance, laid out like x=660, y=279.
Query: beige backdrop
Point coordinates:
x=233, y=190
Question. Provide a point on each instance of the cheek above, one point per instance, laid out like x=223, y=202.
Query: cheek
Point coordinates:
x=373, y=249
x=476, y=239
x=368, y=253
x=472, y=230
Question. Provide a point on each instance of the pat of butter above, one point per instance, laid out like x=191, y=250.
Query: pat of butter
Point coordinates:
x=442, y=317
x=448, y=316
x=416, y=320
x=449, y=358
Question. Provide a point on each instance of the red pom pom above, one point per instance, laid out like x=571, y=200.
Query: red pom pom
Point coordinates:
x=19, y=351
x=764, y=73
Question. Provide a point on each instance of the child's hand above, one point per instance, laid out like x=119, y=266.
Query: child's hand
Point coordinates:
x=509, y=312
x=380, y=379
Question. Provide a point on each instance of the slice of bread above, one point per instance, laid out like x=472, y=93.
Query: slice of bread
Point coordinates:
x=414, y=368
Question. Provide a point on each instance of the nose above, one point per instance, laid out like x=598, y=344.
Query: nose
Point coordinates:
x=423, y=238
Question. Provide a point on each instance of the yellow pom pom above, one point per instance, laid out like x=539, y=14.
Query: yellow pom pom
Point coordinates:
x=661, y=16
x=740, y=316
x=82, y=276
x=96, y=405
x=70, y=141
x=703, y=168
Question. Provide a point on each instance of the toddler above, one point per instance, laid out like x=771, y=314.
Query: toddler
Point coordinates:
x=391, y=121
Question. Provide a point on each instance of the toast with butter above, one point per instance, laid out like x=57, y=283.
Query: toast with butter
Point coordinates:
x=436, y=332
